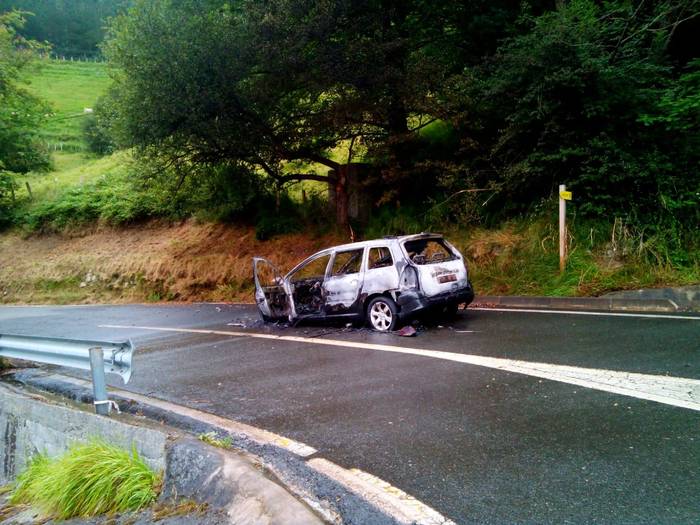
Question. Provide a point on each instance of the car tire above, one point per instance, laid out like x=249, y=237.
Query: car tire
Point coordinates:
x=382, y=314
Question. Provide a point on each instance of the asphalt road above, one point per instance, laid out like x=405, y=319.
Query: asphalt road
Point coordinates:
x=477, y=443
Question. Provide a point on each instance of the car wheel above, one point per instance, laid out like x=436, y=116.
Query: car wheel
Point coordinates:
x=381, y=314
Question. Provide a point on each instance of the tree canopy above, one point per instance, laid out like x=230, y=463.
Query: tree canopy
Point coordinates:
x=74, y=28
x=439, y=97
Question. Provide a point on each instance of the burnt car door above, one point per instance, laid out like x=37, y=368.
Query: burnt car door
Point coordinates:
x=305, y=284
x=344, y=282
x=271, y=292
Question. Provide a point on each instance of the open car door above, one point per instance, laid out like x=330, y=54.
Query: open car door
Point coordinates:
x=271, y=295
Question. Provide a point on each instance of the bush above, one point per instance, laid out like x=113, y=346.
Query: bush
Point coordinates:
x=130, y=192
x=113, y=198
x=8, y=205
x=96, y=128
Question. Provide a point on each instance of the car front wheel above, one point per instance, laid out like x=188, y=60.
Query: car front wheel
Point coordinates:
x=381, y=314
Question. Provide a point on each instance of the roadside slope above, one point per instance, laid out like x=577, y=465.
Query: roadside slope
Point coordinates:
x=206, y=261
x=156, y=261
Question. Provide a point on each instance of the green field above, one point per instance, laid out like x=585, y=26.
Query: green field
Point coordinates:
x=69, y=87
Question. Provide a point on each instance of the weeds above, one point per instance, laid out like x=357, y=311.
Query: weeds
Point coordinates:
x=184, y=508
x=88, y=480
x=521, y=258
x=211, y=438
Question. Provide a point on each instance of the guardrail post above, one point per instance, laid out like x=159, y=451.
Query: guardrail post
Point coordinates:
x=99, y=385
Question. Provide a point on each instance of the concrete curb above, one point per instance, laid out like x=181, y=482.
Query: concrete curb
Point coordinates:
x=608, y=304
x=339, y=495
x=230, y=481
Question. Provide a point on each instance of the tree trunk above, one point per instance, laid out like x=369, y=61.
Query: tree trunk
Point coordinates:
x=341, y=195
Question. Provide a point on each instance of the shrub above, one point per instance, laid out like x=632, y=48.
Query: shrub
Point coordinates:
x=7, y=201
x=88, y=480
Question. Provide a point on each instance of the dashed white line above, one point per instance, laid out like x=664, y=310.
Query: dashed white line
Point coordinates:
x=675, y=391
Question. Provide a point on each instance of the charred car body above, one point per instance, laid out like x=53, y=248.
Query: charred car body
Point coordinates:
x=382, y=281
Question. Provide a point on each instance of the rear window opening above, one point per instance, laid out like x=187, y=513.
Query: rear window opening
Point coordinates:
x=428, y=251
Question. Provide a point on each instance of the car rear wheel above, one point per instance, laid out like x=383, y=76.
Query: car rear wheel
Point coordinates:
x=381, y=314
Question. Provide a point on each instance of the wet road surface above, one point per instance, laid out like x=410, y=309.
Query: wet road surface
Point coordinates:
x=478, y=443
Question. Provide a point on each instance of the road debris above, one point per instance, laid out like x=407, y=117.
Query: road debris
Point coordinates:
x=406, y=331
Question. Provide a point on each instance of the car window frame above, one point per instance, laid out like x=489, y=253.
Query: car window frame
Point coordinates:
x=309, y=260
x=391, y=252
x=329, y=270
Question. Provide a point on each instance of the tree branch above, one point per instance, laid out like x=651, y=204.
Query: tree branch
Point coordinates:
x=302, y=176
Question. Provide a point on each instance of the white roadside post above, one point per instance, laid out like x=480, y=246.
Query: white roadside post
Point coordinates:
x=563, y=197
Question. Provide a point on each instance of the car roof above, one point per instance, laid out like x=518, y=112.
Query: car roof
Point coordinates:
x=384, y=241
x=364, y=244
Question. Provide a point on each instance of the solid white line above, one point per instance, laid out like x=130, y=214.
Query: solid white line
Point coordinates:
x=576, y=312
x=675, y=391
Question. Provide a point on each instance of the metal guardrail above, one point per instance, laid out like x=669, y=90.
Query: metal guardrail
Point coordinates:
x=99, y=357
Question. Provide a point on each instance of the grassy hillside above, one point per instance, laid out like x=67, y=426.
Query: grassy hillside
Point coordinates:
x=69, y=87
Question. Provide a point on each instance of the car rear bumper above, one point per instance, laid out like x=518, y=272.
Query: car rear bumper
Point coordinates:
x=410, y=303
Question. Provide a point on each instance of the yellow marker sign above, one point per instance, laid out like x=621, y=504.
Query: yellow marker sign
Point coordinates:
x=566, y=195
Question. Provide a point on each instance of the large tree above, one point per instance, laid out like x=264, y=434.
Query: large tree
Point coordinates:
x=263, y=83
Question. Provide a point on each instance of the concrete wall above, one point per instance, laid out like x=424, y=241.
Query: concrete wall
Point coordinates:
x=29, y=425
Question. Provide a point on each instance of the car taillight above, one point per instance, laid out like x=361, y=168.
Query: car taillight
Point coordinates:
x=409, y=279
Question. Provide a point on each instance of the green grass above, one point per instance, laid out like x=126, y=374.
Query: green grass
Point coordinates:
x=522, y=258
x=69, y=87
x=74, y=170
x=211, y=438
x=88, y=480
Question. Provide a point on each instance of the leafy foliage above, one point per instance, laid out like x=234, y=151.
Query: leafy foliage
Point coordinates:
x=440, y=98
x=568, y=99
x=8, y=202
x=90, y=479
x=20, y=112
x=96, y=132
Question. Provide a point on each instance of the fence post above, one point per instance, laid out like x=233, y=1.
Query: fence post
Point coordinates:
x=99, y=385
x=562, y=229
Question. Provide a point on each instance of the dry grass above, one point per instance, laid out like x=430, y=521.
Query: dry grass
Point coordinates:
x=187, y=262
x=191, y=261
x=163, y=511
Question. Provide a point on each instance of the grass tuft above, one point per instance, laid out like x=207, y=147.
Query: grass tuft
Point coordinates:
x=211, y=438
x=90, y=479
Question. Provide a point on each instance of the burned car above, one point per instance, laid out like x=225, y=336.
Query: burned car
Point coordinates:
x=382, y=282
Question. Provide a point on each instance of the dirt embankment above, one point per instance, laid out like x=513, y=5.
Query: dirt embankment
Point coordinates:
x=187, y=262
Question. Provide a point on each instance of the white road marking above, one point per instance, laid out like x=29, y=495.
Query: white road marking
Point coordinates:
x=675, y=391
x=578, y=312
